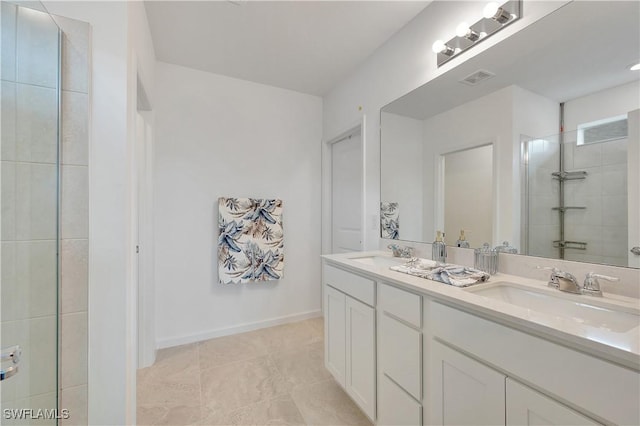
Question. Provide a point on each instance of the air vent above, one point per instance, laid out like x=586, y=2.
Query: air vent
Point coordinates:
x=477, y=77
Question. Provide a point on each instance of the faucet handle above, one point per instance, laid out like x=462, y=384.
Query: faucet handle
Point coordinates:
x=592, y=285
x=553, y=279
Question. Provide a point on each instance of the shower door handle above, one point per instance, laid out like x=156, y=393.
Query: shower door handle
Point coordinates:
x=635, y=250
x=11, y=354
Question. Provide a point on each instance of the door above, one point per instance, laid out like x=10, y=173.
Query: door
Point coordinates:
x=335, y=338
x=346, y=194
x=142, y=233
x=528, y=407
x=29, y=252
x=633, y=188
x=360, y=379
x=465, y=392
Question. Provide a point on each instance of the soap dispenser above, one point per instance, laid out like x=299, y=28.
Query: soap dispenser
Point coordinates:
x=462, y=241
x=439, y=249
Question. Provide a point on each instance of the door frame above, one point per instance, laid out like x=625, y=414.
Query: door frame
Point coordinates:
x=327, y=164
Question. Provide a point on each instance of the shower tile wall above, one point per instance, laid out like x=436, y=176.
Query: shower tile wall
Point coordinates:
x=29, y=102
x=29, y=204
x=74, y=219
x=544, y=223
x=603, y=224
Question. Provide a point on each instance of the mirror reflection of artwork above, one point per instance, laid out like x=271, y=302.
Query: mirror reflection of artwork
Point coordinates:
x=250, y=241
x=389, y=220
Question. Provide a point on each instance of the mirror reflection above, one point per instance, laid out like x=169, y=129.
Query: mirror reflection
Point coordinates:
x=480, y=149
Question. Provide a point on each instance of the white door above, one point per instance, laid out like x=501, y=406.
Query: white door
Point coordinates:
x=395, y=406
x=633, y=188
x=528, y=407
x=335, y=329
x=142, y=234
x=464, y=392
x=360, y=376
x=346, y=194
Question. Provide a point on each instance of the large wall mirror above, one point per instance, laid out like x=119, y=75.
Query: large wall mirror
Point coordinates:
x=485, y=154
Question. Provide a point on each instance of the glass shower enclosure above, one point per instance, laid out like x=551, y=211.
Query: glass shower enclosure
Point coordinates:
x=29, y=131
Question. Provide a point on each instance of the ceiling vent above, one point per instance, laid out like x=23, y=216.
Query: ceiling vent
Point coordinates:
x=477, y=77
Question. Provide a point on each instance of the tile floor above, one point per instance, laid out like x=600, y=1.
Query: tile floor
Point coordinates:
x=273, y=376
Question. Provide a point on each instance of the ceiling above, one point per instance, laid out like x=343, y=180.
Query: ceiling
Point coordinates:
x=306, y=46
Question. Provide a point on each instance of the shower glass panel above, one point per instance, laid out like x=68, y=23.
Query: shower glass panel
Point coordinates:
x=575, y=196
x=29, y=141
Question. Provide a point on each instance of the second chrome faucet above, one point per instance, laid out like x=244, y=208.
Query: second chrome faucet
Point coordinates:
x=564, y=281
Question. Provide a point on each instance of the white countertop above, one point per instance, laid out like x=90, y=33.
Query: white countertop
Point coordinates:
x=618, y=347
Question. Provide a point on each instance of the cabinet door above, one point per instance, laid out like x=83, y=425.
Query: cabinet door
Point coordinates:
x=528, y=407
x=464, y=391
x=335, y=336
x=361, y=349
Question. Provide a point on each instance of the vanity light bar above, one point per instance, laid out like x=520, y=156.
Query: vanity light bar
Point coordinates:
x=495, y=18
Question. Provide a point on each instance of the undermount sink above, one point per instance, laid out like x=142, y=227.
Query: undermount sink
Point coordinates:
x=381, y=261
x=585, y=311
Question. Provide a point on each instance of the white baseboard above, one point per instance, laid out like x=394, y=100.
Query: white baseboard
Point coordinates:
x=206, y=335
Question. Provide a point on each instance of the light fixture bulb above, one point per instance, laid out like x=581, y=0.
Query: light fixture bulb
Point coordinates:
x=438, y=46
x=635, y=67
x=462, y=29
x=490, y=9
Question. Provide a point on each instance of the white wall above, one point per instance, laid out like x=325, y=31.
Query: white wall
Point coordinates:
x=119, y=34
x=402, y=64
x=604, y=104
x=218, y=136
x=402, y=182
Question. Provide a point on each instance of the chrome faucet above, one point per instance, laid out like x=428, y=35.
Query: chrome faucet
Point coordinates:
x=563, y=281
x=401, y=251
x=592, y=285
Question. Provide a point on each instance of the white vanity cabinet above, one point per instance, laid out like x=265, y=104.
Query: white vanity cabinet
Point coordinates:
x=350, y=343
x=400, y=356
x=465, y=348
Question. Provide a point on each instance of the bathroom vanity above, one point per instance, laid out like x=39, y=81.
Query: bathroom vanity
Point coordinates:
x=510, y=351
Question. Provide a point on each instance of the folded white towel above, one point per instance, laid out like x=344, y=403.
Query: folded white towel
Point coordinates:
x=456, y=275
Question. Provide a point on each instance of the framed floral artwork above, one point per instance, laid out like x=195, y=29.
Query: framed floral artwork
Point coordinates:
x=389, y=221
x=250, y=240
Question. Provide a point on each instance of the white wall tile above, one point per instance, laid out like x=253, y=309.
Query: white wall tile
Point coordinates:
x=614, y=210
x=37, y=273
x=42, y=350
x=8, y=113
x=75, y=400
x=8, y=42
x=614, y=180
x=8, y=200
x=74, y=275
x=75, y=124
x=587, y=156
x=74, y=202
x=75, y=54
x=615, y=152
x=16, y=333
x=36, y=201
x=73, y=350
x=36, y=48
x=36, y=124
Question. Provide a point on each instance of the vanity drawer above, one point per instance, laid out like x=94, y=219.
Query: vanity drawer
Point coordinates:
x=401, y=354
x=401, y=304
x=358, y=287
